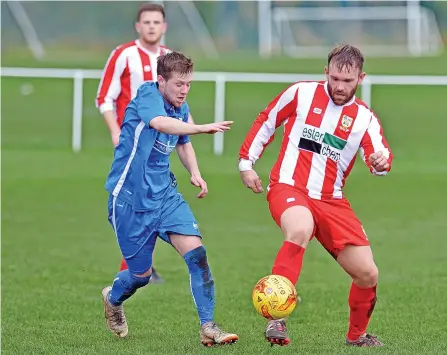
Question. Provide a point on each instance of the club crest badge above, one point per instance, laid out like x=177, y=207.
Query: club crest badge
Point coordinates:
x=346, y=122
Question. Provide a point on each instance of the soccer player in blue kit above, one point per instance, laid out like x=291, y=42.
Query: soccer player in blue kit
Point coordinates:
x=144, y=202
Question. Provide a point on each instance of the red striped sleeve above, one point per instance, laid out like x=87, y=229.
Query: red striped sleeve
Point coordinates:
x=262, y=131
x=374, y=141
x=110, y=86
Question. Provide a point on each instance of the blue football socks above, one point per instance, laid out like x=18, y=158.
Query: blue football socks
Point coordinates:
x=124, y=286
x=202, y=283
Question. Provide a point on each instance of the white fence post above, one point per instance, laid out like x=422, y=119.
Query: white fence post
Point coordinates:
x=27, y=28
x=265, y=31
x=219, y=112
x=366, y=91
x=78, y=81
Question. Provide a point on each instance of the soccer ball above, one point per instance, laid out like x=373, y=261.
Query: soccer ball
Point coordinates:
x=274, y=297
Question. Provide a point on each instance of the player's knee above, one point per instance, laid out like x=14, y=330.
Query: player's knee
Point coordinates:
x=197, y=257
x=297, y=225
x=299, y=234
x=139, y=282
x=368, y=277
x=142, y=279
x=146, y=274
x=197, y=261
x=185, y=244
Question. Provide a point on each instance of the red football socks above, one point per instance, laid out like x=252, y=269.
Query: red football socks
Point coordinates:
x=361, y=302
x=123, y=265
x=288, y=262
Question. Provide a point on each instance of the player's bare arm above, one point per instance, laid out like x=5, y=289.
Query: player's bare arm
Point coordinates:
x=171, y=125
x=251, y=180
x=188, y=158
x=112, y=125
x=190, y=119
x=249, y=177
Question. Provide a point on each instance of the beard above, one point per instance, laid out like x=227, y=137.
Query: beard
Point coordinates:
x=341, y=97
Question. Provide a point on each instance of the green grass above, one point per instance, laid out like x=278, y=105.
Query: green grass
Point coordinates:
x=58, y=249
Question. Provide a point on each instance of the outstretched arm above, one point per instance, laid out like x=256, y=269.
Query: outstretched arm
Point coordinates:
x=174, y=126
x=150, y=109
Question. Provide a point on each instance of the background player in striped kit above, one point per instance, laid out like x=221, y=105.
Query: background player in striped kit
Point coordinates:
x=325, y=126
x=129, y=66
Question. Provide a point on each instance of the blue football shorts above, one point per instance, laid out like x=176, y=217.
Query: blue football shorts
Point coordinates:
x=137, y=232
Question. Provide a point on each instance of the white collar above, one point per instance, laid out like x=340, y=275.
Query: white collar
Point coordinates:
x=140, y=46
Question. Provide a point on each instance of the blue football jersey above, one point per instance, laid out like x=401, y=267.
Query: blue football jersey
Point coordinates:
x=140, y=172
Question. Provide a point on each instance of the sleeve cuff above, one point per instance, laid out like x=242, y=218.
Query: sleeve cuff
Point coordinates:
x=245, y=165
x=106, y=106
x=381, y=173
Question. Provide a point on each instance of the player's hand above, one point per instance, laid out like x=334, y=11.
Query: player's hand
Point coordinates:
x=379, y=162
x=252, y=181
x=215, y=127
x=199, y=182
x=116, y=137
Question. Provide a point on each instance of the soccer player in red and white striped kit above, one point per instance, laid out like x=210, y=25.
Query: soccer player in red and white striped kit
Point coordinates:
x=128, y=66
x=325, y=126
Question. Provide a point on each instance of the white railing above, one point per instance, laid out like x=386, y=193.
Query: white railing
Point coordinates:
x=220, y=79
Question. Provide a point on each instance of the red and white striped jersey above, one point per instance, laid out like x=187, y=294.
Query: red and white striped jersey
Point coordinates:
x=128, y=66
x=320, y=140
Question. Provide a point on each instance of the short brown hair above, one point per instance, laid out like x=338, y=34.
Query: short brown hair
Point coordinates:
x=174, y=62
x=151, y=7
x=345, y=55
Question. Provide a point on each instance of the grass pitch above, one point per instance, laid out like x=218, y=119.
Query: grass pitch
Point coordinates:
x=58, y=249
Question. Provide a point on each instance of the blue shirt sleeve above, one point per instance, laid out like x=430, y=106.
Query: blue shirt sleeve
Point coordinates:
x=149, y=103
x=185, y=114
